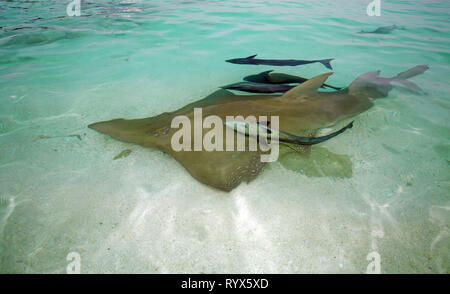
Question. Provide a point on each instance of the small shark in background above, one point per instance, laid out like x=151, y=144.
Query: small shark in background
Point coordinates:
x=278, y=62
x=383, y=30
x=263, y=129
x=279, y=78
x=251, y=87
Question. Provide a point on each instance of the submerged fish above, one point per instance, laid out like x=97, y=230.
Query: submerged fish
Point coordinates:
x=278, y=62
x=301, y=111
x=255, y=129
x=279, y=78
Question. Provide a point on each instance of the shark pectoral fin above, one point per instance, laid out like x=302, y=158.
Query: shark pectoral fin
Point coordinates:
x=311, y=85
x=223, y=170
x=408, y=86
x=250, y=57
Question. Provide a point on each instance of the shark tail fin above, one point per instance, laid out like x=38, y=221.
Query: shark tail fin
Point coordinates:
x=372, y=85
x=326, y=62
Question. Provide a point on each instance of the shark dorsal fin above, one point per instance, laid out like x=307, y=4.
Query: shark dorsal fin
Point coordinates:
x=251, y=57
x=309, y=86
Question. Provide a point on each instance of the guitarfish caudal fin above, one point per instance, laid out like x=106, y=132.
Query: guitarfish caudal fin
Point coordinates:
x=400, y=79
x=372, y=85
x=326, y=62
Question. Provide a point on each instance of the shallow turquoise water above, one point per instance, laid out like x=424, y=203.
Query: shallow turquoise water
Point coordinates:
x=145, y=213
